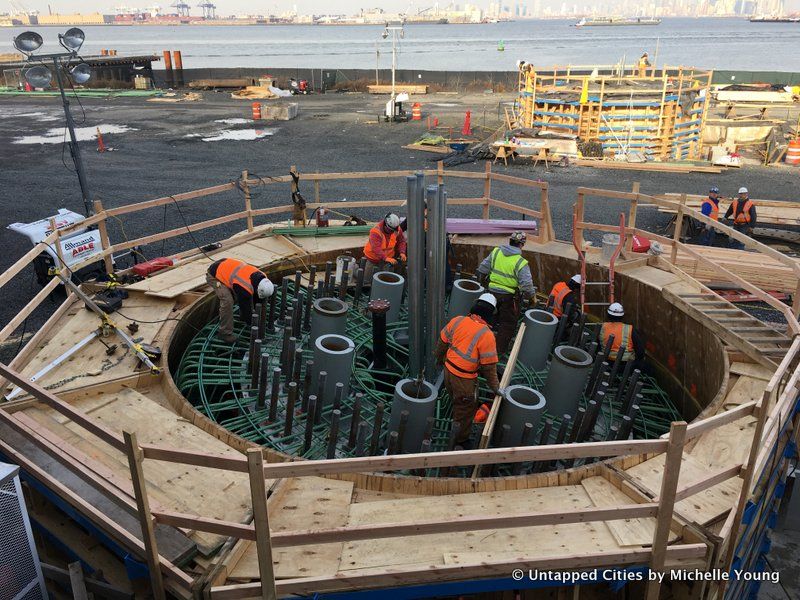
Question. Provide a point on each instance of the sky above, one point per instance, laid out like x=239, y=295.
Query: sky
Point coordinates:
x=226, y=7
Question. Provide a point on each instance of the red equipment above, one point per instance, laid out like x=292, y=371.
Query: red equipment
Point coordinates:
x=467, y=129
x=640, y=244
x=151, y=266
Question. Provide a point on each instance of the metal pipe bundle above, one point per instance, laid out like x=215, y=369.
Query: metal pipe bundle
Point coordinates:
x=436, y=256
x=416, y=270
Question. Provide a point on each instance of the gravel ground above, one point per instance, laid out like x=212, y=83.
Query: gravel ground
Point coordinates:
x=164, y=153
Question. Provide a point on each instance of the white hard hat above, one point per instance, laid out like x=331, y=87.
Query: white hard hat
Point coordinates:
x=519, y=236
x=392, y=221
x=489, y=299
x=576, y=278
x=743, y=190
x=616, y=310
x=265, y=288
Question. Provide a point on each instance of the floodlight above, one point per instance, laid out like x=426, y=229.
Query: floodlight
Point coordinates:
x=73, y=39
x=81, y=73
x=38, y=76
x=28, y=42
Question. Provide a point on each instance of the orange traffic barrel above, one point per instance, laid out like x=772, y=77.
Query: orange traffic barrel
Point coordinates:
x=256, y=111
x=793, y=152
x=416, y=112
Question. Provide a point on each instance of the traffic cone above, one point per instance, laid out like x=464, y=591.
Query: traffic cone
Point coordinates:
x=416, y=112
x=467, y=129
x=101, y=147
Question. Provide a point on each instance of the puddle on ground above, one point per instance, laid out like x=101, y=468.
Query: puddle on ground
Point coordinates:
x=239, y=135
x=84, y=134
x=235, y=121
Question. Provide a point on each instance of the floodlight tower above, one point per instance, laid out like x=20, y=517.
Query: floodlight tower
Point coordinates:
x=396, y=31
x=40, y=75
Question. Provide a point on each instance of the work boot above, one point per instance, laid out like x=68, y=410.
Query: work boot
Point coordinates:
x=226, y=339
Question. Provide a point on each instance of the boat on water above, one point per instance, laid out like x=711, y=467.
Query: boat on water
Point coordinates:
x=764, y=19
x=616, y=21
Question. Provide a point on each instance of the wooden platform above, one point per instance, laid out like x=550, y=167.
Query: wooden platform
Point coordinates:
x=313, y=502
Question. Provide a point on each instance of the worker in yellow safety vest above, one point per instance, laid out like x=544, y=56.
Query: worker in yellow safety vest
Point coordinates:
x=507, y=275
x=466, y=347
x=627, y=339
x=644, y=63
x=743, y=212
x=385, y=246
x=233, y=279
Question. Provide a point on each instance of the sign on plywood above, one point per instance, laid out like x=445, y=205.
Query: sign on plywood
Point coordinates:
x=79, y=247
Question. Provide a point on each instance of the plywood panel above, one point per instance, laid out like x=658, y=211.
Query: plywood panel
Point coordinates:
x=303, y=503
x=550, y=540
x=627, y=532
x=702, y=507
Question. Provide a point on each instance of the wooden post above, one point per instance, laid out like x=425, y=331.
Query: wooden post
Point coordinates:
x=77, y=582
x=676, y=236
x=632, y=217
x=796, y=300
x=57, y=245
x=547, y=233
x=258, y=495
x=299, y=214
x=761, y=411
x=440, y=172
x=135, y=459
x=666, y=502
x=487, y=190
x=579, y=213
x=316, y=191
x=101, y=227
x=248, y=206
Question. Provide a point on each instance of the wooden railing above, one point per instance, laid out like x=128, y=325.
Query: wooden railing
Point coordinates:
x=635, y=198
x=246, y=183
x=166, y=576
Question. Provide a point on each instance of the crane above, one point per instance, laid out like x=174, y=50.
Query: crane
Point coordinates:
x=181, y=7
x=19, y=8
x=209, y=9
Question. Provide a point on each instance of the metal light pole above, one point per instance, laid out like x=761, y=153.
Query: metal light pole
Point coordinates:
x=41, y=76
x=397, y=32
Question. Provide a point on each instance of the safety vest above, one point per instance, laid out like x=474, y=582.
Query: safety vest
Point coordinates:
x=742, y=217
x=623, y=338
x=559, y=292
x=714, y=215
x=470, y=344
x=231, y=271
x=504, y=271
x=387, y=243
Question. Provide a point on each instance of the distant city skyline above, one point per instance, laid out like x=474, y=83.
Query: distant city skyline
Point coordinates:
x=513, y=8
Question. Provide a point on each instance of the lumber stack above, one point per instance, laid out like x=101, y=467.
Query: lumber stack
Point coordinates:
x=408, y=88
x=663, y=167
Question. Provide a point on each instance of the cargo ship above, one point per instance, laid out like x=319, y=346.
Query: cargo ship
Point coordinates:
x=616, y=21
x=775, y=19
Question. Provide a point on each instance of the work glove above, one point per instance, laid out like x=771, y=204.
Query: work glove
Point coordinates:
x=403, y=257
x=391, y=261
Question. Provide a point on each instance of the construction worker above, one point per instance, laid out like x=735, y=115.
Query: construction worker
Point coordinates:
x=467, y=346
x=507, y=274
x=385, y=246
x=743, y=212
x=626, y=338
x=644, y=63
x=232, y=278
x=565, y=293
x=710, y=208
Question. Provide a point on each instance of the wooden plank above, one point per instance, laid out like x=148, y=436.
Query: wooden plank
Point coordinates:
x=135, y=460
x=409, y=88
x=629, y=531
x=76, y=582
x=745, y=390
x=751, y=370
x=23, y=314
x=258, y=494
x=666, y=505
x=312, y=502
x=649, y=166
x=100, y=588
x=463, y=458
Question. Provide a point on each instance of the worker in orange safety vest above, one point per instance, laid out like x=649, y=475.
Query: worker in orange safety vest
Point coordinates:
x=233, y=279
x=385, y=247
x=743, y=212
x=467, y=347
x=564, y=293
x=627, y=339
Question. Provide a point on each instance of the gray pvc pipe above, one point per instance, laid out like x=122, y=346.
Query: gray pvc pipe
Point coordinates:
x=388, y=286
x=329, y=316
x=416, y=275
x=465, y=293
x=566, y=379
x=520, y=405
x=419, y=399
x=540, y=327
x=333, y=354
